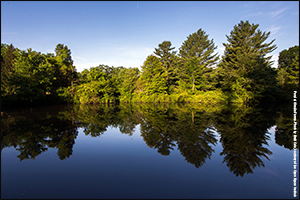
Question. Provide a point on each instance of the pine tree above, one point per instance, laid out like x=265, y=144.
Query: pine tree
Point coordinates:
x=127, y=78
x=68, y=71
x=168, y=59
x=154, y=76
x=245, y=70
x=198, y=45
x=197, y=58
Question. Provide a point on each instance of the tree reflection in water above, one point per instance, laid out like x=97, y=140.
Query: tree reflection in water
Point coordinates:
x=164, y=127
x=244, y=131
x=284, y=131
x=33, y=131
x=188, y=127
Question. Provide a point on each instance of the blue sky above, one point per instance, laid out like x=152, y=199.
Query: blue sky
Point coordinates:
x=124, y=33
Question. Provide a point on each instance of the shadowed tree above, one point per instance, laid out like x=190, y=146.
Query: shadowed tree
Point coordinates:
x=7, y=67
x=288, y=70
x=68, y=71
x=245, y=70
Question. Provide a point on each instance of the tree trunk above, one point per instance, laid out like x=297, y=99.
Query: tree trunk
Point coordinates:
x=192, y=117
x=193, y=83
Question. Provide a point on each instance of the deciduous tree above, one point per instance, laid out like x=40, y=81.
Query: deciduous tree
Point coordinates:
x=288, y=69
x=7, y=67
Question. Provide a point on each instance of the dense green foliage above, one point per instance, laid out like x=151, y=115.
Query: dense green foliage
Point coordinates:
x=288, y=71
x=167, y=58
x=33, y=77
x=98, y=85
x=243, y=75
x=245, y=71
x=7, y=67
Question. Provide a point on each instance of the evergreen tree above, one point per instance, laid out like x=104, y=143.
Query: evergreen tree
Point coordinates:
x=154, y=76
x=168, y=59
x=198, y=45
x=197, y=58
x=245, y=70
x=63, y=56
x=127, y=78
x=196, y=76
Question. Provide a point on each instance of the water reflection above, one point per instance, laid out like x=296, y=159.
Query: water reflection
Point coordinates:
x=188, y=127
x=244, y=136
x=285, y=128
x=33, y=131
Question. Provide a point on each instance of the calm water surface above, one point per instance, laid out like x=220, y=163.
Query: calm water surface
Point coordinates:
x=148, y=151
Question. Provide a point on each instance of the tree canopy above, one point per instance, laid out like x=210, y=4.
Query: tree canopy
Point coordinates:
x=245, y=70
x=194, y=73
x=288, y=69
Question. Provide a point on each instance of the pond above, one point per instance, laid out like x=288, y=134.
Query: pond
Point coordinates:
x=148, y=151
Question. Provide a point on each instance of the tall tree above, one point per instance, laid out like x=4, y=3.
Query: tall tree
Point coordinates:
x=198, y=45
x=63, y=56
x=168, y=59
x=154, y=76
x=195, y=75
x=245, y=70
x=128, y=78
x=197, y=53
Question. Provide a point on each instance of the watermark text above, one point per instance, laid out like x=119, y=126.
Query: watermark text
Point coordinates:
x=295, y=145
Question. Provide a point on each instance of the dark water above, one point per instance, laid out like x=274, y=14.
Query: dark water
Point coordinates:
x=148, y=151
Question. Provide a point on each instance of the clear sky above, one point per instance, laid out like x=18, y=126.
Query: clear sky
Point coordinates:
x=124, y=33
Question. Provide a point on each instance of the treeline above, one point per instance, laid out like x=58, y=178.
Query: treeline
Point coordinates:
x=32, y=77
x=194, y=74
